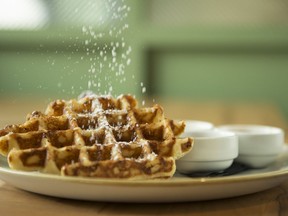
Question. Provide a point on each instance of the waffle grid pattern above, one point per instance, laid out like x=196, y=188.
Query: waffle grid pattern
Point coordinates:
x=96, y=136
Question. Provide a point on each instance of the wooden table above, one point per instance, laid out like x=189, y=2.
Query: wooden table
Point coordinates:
x=271, y=202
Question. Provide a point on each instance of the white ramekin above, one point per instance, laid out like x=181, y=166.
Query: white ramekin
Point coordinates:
x=259, y=145
x=196, y=126
x=213, y=150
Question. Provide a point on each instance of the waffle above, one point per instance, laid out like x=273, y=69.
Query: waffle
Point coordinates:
x=96, y=136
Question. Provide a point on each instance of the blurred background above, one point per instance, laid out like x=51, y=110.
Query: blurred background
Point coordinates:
x=193, y=50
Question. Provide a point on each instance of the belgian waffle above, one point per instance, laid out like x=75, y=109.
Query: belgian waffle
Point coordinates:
x=96, y=136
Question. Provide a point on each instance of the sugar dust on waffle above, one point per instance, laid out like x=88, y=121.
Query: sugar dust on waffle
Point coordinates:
x=96, y=136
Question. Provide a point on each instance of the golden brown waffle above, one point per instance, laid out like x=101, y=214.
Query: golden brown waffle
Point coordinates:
x=96, y=136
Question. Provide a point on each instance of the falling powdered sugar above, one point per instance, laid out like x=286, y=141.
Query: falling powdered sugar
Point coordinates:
x=108, y=61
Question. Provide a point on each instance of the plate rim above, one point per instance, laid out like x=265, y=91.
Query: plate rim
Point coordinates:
x=173, y=182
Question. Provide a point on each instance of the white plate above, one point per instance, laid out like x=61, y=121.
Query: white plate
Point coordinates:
x=177, y=189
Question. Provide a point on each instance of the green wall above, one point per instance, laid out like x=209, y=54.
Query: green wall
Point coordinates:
x=190, y=62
